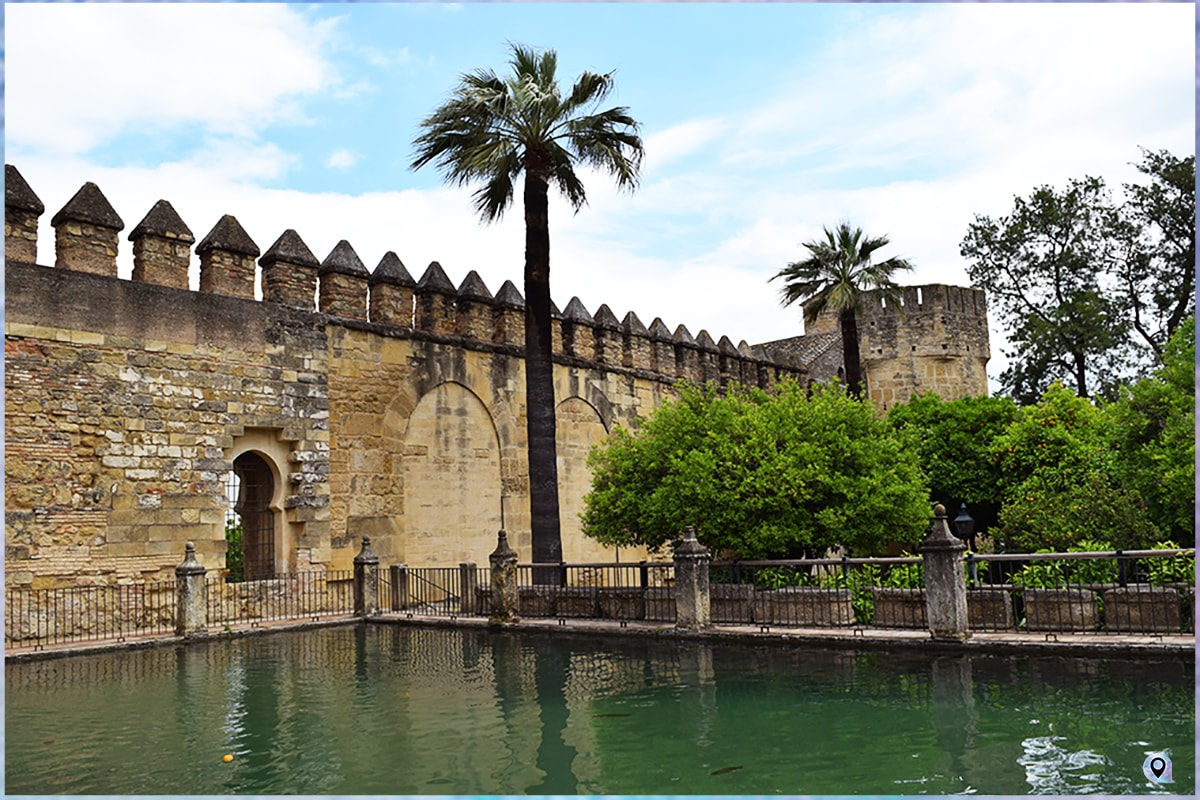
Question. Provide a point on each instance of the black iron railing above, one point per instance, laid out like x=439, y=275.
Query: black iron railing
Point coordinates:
x=1130, y=592
x=618, y=591
x=297, y=595
x=116, y=612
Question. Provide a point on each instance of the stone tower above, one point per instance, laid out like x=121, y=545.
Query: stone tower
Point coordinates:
x=934, y=339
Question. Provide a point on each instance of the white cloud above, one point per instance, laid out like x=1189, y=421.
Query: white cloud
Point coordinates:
x=103, y=69
x=341, y=159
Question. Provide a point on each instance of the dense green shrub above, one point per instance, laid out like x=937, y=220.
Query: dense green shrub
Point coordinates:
x=759, y=475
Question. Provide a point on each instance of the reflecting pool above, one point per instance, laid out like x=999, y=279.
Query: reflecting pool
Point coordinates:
x=403, y=710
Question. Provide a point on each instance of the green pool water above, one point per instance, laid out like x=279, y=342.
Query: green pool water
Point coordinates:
x=400, y=710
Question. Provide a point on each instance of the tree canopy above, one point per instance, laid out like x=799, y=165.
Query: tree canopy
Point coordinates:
x=759, y=475
x=1088, y=289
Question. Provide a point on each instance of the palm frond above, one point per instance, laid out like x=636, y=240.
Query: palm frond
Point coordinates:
x=837, y=271
x=489, y=126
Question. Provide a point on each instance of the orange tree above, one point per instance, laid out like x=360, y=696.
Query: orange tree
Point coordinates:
x=1057, y=479
x=759, y=475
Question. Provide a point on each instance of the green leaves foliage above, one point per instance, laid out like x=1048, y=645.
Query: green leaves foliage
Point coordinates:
x=1041, y=266
x=1057, y=479
x=1154, y=423
x=758, y=475
x=1089, y=289
x=954, y=443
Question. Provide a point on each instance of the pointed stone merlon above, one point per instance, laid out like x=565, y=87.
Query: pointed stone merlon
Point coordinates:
x=765, y=368
x=687, y=355
x=637, y=347
x=662, y=347
x=709, y=359
x=344, y=280
x=289, y=272
x=435, y=301
x=945, y=581
x=473, y=312
x=578, y=330
x=85, y=233
x=609, y=341
x=729, y=362
x=508, y=316
x=391, y=288
x=21, y=211
x=227, y=260
x=162, y=248
x=692, y=604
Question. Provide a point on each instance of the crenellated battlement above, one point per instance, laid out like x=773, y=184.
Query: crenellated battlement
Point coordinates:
x=341, y=287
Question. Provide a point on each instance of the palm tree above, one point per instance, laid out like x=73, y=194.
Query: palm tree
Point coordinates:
x=492, y=130
x=834, y=276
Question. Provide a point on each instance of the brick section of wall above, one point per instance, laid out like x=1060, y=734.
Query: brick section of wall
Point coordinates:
x=118, y=425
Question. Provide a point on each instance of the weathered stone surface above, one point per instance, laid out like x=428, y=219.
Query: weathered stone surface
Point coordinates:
x=1061, y=610
x=21, y=211
x=227, y=256
x=289, y=272
x=161, y=247
x=391, y=292
x=1142, y=609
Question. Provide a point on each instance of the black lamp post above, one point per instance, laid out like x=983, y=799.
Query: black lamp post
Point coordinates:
x=964, y=527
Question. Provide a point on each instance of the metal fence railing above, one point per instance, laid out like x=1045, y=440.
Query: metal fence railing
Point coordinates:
x=1118, y=592
x=296, y=595
x=1134, y=591
x=819, y=592
x=435, y=591
x=629, y=591
x=39, y=617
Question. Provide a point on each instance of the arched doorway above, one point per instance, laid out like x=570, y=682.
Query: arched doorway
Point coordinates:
x=256, y=549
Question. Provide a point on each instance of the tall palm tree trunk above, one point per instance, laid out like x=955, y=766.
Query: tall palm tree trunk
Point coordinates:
x=539, y=376
x=850, y=354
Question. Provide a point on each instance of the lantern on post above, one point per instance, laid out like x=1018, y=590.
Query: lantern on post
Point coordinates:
x=964, y=528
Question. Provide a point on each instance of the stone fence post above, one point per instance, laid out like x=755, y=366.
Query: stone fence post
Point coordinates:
x=691, y=583
x=468, y=603
x=945, y=581
x=366, y=581
x=191, y=608
x=505, y=597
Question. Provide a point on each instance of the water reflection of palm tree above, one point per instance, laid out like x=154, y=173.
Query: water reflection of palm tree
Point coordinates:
x=555, y=758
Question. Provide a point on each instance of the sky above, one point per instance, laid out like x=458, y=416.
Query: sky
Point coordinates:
x=763, y=124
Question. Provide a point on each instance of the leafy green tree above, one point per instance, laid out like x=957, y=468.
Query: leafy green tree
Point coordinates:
x=1158, y=272
x=493, y=130
x=759, y=475
x=954, y=441
x=1041, y=266
x=1057, y=481
x=1154, y=424
x=833, y=276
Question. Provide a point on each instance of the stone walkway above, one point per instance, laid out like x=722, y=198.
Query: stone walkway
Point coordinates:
x=1182, y=646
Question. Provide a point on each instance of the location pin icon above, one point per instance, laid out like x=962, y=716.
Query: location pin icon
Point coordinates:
x=1157, y=768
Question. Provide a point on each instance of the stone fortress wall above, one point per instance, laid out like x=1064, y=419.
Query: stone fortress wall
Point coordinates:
x=382, y=405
